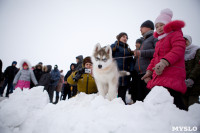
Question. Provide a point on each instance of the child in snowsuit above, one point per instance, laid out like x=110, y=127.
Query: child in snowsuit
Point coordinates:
x=23, y=77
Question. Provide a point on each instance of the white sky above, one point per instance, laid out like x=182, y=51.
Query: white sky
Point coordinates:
x=56, y=31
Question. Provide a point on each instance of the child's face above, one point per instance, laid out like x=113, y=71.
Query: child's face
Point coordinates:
x=25, y=67
x=159, y=28
x=137, y=45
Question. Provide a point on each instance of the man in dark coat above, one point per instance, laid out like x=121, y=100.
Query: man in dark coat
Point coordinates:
x=55, y=76
x=1, y=75
x=143, y=58
x=9, y=75
x=45, y=79
x=79, y=60
x=67, y=87
x=38, y=73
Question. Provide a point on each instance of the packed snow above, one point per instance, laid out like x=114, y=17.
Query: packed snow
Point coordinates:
x=29, y=111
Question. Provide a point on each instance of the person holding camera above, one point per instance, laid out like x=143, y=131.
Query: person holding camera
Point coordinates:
x=83, y=78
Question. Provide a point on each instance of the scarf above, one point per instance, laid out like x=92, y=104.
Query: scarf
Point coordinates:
x=148, y=33
x=190, y=52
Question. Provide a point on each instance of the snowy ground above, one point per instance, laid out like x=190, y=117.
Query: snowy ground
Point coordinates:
x=30, y=112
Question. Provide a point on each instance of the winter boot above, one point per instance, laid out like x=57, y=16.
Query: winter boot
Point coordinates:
x=56, y=100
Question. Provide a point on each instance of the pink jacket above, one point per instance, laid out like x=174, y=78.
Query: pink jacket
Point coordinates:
x=171, y=48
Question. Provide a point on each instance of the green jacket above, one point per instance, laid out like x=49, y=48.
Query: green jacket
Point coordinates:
x=193, y=72
x=85, y=84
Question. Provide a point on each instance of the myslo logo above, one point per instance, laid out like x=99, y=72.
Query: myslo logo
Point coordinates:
x=184, y=128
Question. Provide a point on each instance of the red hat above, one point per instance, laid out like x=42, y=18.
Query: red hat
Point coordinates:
x=25, y=64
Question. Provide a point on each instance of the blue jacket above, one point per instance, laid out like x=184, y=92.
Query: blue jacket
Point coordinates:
x=55, y=76
x=123, y=55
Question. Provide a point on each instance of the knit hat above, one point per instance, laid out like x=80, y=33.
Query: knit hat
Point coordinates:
x=40, y=63
x=14, y=62
x=25, y=64
x=164, y=17
x=120, y=35
x=56, y=67
x=148, y=24
x=189, y=38
x=87, y=60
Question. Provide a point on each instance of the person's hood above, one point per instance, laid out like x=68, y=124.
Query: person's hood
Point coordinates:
x=22, y=62
x=74, y=66
x=189, y=38
x=80, y=57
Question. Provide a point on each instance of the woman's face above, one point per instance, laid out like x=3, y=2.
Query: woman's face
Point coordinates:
x=187, y=43
x=123, y=39
x=88, y=65
x=159, y=28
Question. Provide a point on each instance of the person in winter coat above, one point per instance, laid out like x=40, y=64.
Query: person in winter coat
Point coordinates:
x=134, y=74
x=192, y=66
x=55, y=76
x=167, y=67
x=142, y=58
x=38, y=73
x=9, y=75
x=24, y=76
x=123, y=56
x=45, y=79
x=1, y=75
x=84, y=78
x=67, y=87
x=138, y=43
x=79, y=60
x=59, y=86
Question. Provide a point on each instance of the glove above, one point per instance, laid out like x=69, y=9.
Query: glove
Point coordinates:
x=161, y=66
x=189, y=82
x=147, y=76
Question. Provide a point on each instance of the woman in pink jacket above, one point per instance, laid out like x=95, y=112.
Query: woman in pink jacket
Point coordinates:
x=167, y=68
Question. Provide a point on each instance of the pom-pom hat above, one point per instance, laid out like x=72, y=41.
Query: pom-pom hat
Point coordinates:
x=164, y=17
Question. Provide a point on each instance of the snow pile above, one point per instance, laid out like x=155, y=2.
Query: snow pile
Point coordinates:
x=30, y=112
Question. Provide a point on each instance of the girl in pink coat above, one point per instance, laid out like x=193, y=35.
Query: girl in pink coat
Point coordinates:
x=167, y=68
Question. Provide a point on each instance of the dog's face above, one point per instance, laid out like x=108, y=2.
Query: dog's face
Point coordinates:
x=102, y=57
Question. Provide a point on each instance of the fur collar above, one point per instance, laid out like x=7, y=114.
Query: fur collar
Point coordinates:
x=171, y=26
x=190, y=52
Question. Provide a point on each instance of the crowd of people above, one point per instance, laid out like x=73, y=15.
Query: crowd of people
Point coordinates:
x=164, y=57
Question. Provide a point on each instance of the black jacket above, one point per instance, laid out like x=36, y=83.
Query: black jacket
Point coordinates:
x=10, y=73
x=46, y=77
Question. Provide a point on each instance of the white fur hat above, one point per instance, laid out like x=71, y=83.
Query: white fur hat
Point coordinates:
x=164, y=17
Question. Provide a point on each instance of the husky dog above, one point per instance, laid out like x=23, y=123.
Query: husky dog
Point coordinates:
x=106, y=72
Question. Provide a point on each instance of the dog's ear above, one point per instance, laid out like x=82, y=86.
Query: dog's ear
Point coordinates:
x=108, y=49
x=97, y=47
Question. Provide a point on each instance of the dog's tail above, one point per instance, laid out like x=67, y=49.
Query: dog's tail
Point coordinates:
x=123, y=73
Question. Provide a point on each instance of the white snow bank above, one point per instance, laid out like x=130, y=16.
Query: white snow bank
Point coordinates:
x=30, y=112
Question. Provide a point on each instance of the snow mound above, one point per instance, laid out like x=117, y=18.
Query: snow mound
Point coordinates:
x=30, y=112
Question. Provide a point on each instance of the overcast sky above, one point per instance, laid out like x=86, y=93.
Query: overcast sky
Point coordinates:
x=56, y=31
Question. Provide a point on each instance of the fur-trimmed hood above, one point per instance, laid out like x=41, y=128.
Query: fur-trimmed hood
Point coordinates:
x=47, y=68
x=171, y=26
x=22, y=62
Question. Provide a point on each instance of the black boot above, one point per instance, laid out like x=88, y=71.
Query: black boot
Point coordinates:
x=56, y=100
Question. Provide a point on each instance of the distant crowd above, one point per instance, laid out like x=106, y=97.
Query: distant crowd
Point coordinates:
x=164, y=57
